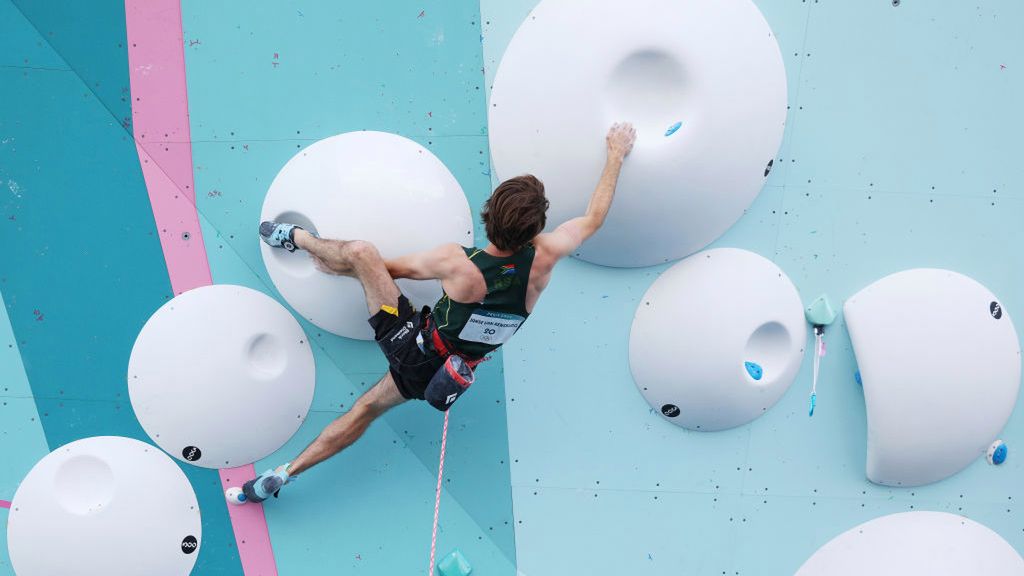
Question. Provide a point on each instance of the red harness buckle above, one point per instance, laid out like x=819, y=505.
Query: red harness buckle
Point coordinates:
x=444, y=350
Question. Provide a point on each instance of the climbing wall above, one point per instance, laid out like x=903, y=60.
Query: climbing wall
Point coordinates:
x=900, y=151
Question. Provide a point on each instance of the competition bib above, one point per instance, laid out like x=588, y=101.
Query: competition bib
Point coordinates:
x=489, y=327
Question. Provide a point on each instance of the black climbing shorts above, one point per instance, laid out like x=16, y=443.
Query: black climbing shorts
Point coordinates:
x=411, y=368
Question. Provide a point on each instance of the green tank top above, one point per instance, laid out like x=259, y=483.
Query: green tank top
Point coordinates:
x=477, y=329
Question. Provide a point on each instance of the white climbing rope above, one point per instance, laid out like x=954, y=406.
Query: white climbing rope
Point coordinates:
x=819, y=351
x=437, y=496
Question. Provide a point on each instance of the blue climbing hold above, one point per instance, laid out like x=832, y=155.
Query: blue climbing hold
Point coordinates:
x=1000, y=455
x=856, y=376
x=814, y=402
x=754, y=370
x=672, y=129
x=454, y=564
x=997, y=452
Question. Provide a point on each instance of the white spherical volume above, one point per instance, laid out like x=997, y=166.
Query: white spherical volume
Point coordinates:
x=221, y=376
x=717, y=339
x=114, y=506
x=370, y=186
x=702, y=80
x=916, y=544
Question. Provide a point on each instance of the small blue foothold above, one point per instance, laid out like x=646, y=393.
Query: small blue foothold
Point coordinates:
x=814, y=401
x=997, y=452
x=672, y=129
x=856, y=376
x=754, y=370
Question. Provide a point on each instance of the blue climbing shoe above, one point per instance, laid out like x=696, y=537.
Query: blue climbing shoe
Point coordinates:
x=279, y=235
x=266, y=485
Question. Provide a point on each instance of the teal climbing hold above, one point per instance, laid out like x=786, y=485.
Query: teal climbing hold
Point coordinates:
x=454, y=564
x=820, y=312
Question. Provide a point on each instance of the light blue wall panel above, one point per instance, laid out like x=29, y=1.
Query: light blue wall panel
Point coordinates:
x=400, y=67
x=21, y=433
x=885, y=103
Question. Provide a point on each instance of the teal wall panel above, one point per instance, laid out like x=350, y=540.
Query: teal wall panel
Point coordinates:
x=21, y=46
x=90, y=38
x=86, y=239
x=83, y=269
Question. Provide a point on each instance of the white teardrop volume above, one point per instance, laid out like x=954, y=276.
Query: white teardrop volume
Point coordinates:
x=940, y=362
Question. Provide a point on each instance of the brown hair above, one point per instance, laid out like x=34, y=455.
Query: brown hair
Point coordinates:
x=515, y=212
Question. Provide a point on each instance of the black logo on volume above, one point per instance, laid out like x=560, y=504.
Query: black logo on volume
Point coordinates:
x=996, y=310
x=189, y=544
x=670, y=410
x=191, y=453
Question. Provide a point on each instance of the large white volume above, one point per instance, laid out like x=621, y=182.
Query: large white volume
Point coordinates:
x=916, y=544
x=371, y=186
x=105, y=505
x=221, y=376
x=940, y=363
x=702, y=81
x=717, y=339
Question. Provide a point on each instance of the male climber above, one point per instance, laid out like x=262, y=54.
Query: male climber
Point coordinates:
x=488, y=294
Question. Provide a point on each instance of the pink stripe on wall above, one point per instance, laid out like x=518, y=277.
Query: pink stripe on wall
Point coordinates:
x=177, y=223
x=156, y=62
x=251, y=534
x=5, y=504
x=156, y=68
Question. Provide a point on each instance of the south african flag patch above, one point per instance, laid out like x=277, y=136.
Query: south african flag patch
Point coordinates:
x=508, y=269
